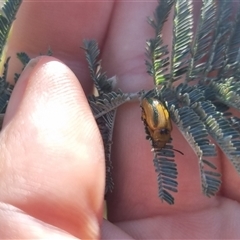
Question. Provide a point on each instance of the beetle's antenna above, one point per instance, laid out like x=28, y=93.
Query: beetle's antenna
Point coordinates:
x=178, y=151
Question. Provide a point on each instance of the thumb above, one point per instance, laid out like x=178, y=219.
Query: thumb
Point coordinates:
x=52, y=160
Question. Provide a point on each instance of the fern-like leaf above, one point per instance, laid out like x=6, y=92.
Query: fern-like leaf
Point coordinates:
x=107, y=102
x=221, y=130
x=203, y=38
x=182, y=37
x=160, y=15
x=157, y=65
x=221, y=34
x=104, y=106
x=227, y=92
x=105, y=121
x=166, y=169
x=196, y=135
x=5, y=88
x=157, y=52
x=24, y=58
x=231, y=67
x=101, y=82
x=105, y=125
x=7, y=16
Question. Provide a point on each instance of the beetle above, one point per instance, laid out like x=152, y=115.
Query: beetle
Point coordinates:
x=157, y=121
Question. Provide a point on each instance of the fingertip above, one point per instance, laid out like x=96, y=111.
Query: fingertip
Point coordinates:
x=56, y=147
x=18, y=91
x=15, y=224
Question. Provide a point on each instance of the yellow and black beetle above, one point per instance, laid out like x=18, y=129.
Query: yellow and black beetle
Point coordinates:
x=157, y=120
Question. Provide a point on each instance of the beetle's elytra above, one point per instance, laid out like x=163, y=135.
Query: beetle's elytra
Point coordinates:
x=157, y=120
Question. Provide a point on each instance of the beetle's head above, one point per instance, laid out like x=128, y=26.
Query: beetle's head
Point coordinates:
x=161, y=136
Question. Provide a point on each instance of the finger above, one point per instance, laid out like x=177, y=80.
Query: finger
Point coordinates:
x=13, y=220
x=52, y=161
x=230, y=176
x=136, y=191
x=111, y=231
x=62, y=26
x=206, y=224
x=230, y=179
x=18, y=92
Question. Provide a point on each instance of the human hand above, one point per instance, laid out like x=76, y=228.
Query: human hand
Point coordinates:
x=52, y=167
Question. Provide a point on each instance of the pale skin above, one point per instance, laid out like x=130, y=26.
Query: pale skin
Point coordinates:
x=52, y=161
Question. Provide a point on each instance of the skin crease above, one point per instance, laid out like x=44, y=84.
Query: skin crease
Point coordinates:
x=52, y=163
